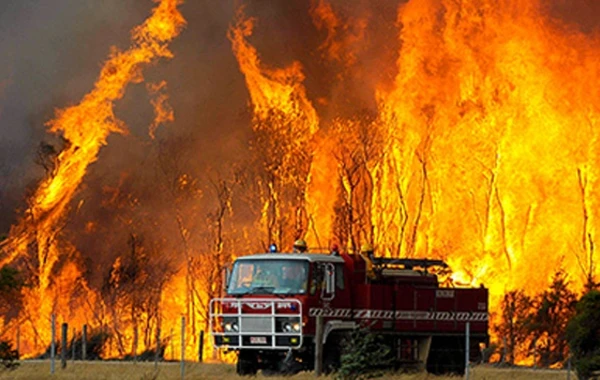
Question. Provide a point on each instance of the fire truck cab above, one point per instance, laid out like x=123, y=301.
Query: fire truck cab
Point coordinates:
x=268, y=315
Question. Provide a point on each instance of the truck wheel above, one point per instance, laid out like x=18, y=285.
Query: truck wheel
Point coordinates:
x=332, y=357
x=446, y=357
x=247, y=364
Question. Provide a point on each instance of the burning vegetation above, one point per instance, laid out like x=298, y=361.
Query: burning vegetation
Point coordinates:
x=456, y=130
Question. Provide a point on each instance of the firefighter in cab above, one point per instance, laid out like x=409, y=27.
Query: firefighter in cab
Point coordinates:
x=293, y=276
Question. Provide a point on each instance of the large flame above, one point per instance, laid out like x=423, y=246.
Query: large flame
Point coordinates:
x=480, y=147
x=483, y=151
x=85, y=128
x=285, y=123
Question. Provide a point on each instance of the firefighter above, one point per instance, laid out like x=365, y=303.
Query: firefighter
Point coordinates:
x=266, y=276
x=300, y=246
x=366, y=251
x=293, y=277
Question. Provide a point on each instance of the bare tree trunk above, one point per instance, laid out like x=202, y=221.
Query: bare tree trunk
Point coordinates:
x=503, y=230
x=413, y=238
x=587, y=242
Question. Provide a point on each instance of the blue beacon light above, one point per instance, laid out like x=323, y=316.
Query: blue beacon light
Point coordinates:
x=272, y=248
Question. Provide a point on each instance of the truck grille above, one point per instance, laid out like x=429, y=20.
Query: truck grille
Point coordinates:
x=256, y=319
x=256, y=324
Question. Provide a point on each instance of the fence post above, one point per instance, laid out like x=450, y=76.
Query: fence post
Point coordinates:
x=172, y=345
x=467, y=349
x=157, y=353
x=535, y=353
x=182, y=347
x=73, y=340
x=569, y=368
x=63, y=344
x=135, y=343
x=84, y=343
x=201, y=347
x=19, y=342
x=52, y=343
x=319, y=347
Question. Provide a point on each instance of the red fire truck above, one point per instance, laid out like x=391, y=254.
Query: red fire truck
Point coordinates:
x=268, y=315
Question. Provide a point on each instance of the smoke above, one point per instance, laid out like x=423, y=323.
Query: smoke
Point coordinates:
x=52, y=53
x=581, y=15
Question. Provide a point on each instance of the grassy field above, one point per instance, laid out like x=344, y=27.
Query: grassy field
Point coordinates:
x=145, y=371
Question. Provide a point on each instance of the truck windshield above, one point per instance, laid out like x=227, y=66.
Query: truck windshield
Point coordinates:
x=268, y=276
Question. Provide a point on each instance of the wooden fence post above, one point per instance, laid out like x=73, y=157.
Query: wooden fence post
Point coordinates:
x=157, y=353
x=467, y=349
x=84, y=343
x=135, y=343
x=182, y=347
x=52, y=343
x=63, y=344
x=73, y=340
x=172, y=345
x=319, y=347
x=19, y=342
x=201, y=347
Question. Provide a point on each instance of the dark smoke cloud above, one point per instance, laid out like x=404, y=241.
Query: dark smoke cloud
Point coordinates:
x=52, y=53
x=582, y=15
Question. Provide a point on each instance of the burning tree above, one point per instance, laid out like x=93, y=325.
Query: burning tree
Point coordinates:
x=357, y=152
x=583, y=334
x=444, y=129
x=85, y=128
x=132, y=293
x=553, y=310
x=513, y=327
x=182, y=192
x=284, y=122
x=10, y=297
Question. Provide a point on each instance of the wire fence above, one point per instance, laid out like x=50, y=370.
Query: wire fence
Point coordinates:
x=80, y=346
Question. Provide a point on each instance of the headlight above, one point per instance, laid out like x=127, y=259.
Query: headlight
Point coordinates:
x=289, y=325
x=230, y=324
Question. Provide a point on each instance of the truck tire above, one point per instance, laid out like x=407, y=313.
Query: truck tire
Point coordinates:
x=332, y=351
x=247, y=364
x=447, y=356
x=331, y=359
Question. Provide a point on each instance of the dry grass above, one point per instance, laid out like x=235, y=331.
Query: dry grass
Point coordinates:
x=32, y=370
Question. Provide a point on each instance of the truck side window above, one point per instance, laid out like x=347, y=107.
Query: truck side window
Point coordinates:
x=339, y=276
x=316, y=281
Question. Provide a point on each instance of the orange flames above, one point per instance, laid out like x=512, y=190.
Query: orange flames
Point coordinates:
x=285, y=123
x=85, y=127
x=483, y=149
x=477, y=144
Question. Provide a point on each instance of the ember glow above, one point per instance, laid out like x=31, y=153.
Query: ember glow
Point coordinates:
x=456, y=129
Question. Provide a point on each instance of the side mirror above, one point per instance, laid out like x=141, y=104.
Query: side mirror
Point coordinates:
x=226, y=277
x=329, y=290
